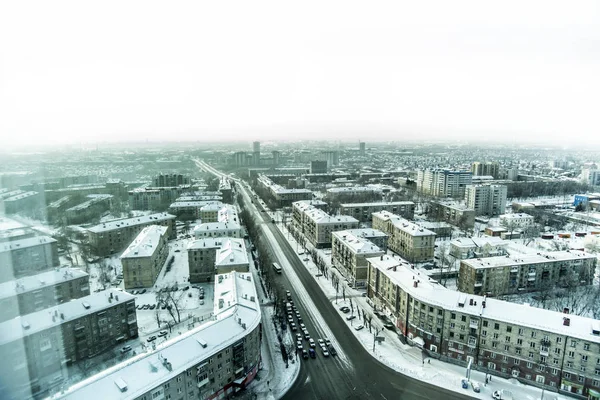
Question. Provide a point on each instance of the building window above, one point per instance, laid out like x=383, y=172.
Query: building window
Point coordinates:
x=520, y=331
x=507, y=339
x=496, y=326
x=571, y=354
x=584, y=358
x=509, y=329
x=506, y=347
x=573, y=343
x=485, y=324
x=531, y=354
x=529, y=365
x=558, y=340
x=581, y=379
x=567, y=375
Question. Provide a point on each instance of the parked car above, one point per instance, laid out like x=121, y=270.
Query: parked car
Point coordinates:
x=304, y=354
x=125, y=349
x=312, y=353
x=464, y=383
x=311, y=342
x=359, y=327
x=151, y=339
x=201, y=302
x=153, y=306
x=503, y=394
x=201, y=295
x=332, y=351
x=345, y=310
x=293, y=326
x=327, y=342
x=162, y=333
x=350, y=317
x=321, y=342
x=298, y=336
x=306, y=335
x=476, y=387
x=134, y=292
x=325, y=351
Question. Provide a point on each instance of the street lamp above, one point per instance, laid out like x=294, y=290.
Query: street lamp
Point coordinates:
x=377, y=330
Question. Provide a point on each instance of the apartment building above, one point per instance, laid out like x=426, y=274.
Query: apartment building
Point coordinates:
x=212, y=361
x=486, y=169
x=375, y=236
x=37, y=292
x=193, y=209
x=92, y=208
x=317, y=226
x=486, y=246
x=453, y=212
x=516, y=220
x=170, y=180
x=281, y=196
x=347, y=193
x=226, y=190
x=28, y=256
x=362, y=211
x=486, y=199
x=205, y=258
x=113, y=236
x=406, y=238
x=526, y=272
x=549, y=349
x=299, y=207
x=44, y=342
x=349, y=255
x=227, y=225
x=210, y=212
x=16, y=234
x=155, y=198
x=144, y=258
x=443, y=182
x=23, y=202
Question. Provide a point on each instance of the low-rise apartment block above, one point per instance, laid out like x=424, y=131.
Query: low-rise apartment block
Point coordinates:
x=349, y=255
x=549, y=349
x=144, y=258
x=406, y=238
x=113, y=236
x=23, y=202
x=362, y=211
x=516, y=220
x=210, y=256
x=155, y=198
x=279, y=195
x=299, y=207
x=375, y=236
x=486, y=246
x=214, y=360
x=227, y=225
x=43, y=342
x=193, y=209
x=317, y=226
x=526, y=272
x=27, y=256
x=37, y=292
x=94, y=207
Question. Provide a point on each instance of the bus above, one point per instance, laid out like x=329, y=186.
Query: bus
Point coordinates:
x=277, y=268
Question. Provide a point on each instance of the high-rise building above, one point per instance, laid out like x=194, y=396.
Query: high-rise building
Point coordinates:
x=486, y=199
x=443, y=182
x=318, y=167
x=485, y=169
x=276, y=157
x=362, y=148
x=332, y=158
x=255, y=153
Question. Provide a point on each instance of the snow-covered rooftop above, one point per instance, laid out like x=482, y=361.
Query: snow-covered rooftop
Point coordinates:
x=25, y=325
x=357, y=244
x=120, y=223
x=232, y=252
x=207, y=243
x=366, y=232
x=7, y=224
x=403, y=224
x=146, y=242
x=525, y=259
x=377, y=203
x=431, y=292
x=148, y=370
x=41, y=280
x=479, y=242
x=25, y=243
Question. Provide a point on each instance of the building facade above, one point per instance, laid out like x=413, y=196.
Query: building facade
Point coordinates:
x=144, y=258
x=487, y=246
x=362, y=211
x=29, y=256
x=486, y=169
x=526, y=272
x=453, y=212
x=544, y=348
x=113, y=236
x=443, y=182
x=317, y=226
x=210, y=256
x=349, y=255
x=486, y=199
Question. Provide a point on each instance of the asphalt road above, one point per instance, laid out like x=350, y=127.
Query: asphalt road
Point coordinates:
x=329, y=378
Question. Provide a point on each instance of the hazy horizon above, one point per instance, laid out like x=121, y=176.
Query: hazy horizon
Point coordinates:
x=78, y=73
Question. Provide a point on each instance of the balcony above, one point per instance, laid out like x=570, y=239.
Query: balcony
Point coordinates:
x=203, y=382
x=473, y=324
x=478, y=284
x=514, y=270
x=544, y=351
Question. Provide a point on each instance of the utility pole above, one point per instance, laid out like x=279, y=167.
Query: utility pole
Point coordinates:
x=377, y=330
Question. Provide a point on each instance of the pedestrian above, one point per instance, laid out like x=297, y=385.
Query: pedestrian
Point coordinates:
x=429, y=361
x=423, y=362
x=490, y=378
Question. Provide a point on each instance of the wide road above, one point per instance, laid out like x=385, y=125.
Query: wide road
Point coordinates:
x=354, y=374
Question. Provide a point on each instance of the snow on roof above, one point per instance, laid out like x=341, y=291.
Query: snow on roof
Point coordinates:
x=515, y=216
x=525, y=259
x=366, y=232
x=405, y=225
x=321, y=217
x=7, y=224
x=44, y=279
x=196, y=203
x=21, y=196
x=357, y=244
x=479, y=242
x=352, y=189
x=120, y=223
x=146, y=242
x=149, y=370
x=93, y=198
x=374, y=204
x=25, y=243
x=207, y=243
x=431, y=292
x=213, y=206
x=232, y=252
x=26, y=325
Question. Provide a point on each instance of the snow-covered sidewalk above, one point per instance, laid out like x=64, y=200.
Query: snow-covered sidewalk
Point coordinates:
x=410, y=360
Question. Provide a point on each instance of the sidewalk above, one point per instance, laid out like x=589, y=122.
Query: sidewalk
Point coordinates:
x=407, y=359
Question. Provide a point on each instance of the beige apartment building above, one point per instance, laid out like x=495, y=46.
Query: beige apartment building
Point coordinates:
x=37, y=292
x=526, y=272
x=212, y=361
x=548, y=349
x=362, y=211
x=113, y=236
x=279, y=195
x=406, y=238
x=210, y=256
x=349, y=253
x=144, y=258
x=28, y=256
x=227, y=225
x=318, y=226
x=486, y=246
x=44, y=342
x=453, y=212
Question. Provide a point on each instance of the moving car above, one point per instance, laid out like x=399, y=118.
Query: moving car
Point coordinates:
x=332, y=351
x=311, y=342
x=350, y=317
x=304, y=354
x=325, y=352
x=125, y=349
x=359, y=327
x=312, y=353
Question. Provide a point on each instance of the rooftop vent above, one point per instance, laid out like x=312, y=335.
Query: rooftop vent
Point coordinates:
x=86, y=305
x=121, y=384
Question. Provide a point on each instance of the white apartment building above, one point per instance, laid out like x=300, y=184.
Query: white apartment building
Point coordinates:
x=362, y=211
x=486, y=246
x=212, y=361
x=317, y=226
x=349, y=255
x=144, y=258
x=210, y=256
x=516, y=220
x=486, y=199
x=443, y=182
x=227, y=225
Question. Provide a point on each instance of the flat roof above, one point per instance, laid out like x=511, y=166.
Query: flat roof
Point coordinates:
x=134, y=221
x=207, y=243
x=431, y=292
x=403, y=224
x=479, y=242
x=515, y=216
x=232, y=252
x=95, y=198
x=146, y=242
x=357, y=244
x=25, y=243
x=525, y=259
x=146, y=371
x=7, y=224
x=21, y=196
x=366, y=232
x=373, y=204
x=25, y=325
x=195, y=203
x=38, y=281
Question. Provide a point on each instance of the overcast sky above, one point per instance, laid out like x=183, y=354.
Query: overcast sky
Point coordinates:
x=85, y=71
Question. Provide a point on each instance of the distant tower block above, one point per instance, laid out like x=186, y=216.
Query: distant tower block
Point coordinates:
x=362, y=147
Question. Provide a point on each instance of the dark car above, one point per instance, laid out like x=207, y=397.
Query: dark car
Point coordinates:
x=152, y=306
x=304, y=354
x=162, y=333
x=345, y=309
x=151, y=339
x=332, y=351
x=389, y=326
x=312, y=353
x=142, y=291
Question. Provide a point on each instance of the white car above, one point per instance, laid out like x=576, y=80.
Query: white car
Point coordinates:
x=502, y=395
x=359, y=327
x=311, y=342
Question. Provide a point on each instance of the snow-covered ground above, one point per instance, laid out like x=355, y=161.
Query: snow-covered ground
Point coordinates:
x=407, y=359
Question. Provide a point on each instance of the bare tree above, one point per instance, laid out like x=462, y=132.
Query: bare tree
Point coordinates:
x=104, y=273
x=172, y=301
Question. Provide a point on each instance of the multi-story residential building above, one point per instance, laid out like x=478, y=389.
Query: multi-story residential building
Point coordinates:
x=486, y=199
x=11, y=235
x=453, y=212
x=226, y=190
x=155, y=198
x=486, y=246
x=539, y=347
x=591, y=175
x=113, y=236
x=279, y=195
x=406, y=238
x=317, y=226
x=22, y=202
x=348, y=193
x=210, y=212
x=486, y=169
x=362, y=211
x=44, y=342
x=526, y=272
x=375, y=236
x=37, y=292
x=144, y=258
x=212, y=361
x=193, y=209
x=210, y=256
x=94, y=207
x=299, y=207
x=170, y=180
x=332, y=158
x=28, y=256
x=349, y=255
x=227, y=225
x=443, y=182
x=516, y=220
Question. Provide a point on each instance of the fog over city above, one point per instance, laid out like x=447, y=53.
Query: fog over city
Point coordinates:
x=76, y=72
